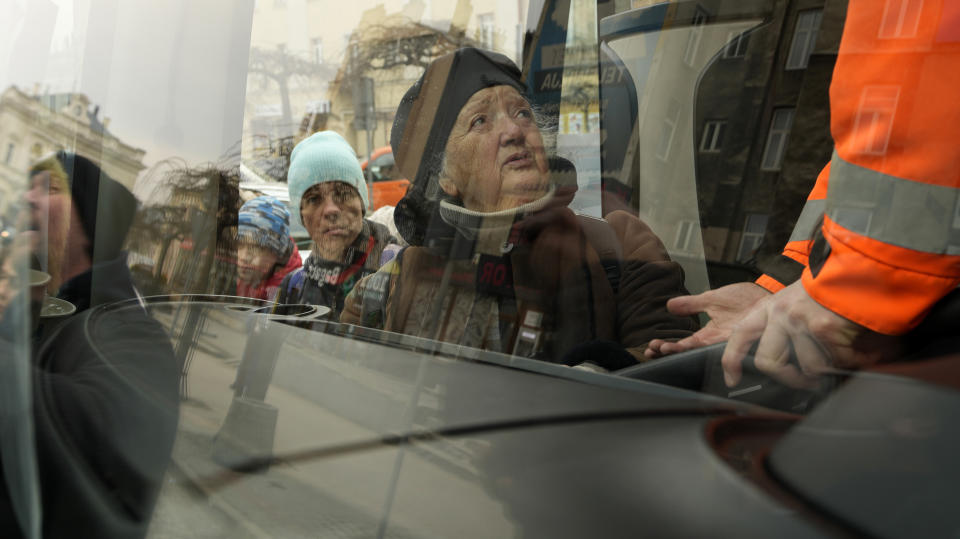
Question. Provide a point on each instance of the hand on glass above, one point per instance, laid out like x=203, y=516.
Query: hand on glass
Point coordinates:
x=725, y=306
x=821, y=339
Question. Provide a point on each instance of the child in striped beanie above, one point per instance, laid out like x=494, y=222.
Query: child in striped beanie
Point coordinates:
x=265, y=251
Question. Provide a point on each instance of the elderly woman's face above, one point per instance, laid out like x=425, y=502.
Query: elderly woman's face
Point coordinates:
x=494, y=157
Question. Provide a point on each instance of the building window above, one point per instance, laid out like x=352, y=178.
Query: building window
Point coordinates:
x=317, y=45
x=11, y=147
x=593, y=122
x=353, y=53
x=777, y=139
x=486, y=30
x=684, y=236
x=668, y=129
x=875, y=115
x=693, y=39
x=804, y=38
x=901, y=18
x=736, y=45
x=318, y=106
x=754, y=228
x=712, y=139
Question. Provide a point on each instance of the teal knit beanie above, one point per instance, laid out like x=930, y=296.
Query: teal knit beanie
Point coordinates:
x=323, y=157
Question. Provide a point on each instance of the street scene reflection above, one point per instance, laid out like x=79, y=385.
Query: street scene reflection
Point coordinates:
x=431, y=268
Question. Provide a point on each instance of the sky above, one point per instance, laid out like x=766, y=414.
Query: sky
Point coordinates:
x=170, y=75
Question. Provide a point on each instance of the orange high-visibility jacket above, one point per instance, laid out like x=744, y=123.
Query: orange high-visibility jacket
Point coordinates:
x=801, y=240
x=891, y=215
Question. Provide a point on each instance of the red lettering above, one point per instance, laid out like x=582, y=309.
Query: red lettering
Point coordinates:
x=499, y=275
x=487, y=274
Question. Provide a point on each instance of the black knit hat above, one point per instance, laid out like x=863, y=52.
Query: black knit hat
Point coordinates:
x=105, y=207
x=426, y=116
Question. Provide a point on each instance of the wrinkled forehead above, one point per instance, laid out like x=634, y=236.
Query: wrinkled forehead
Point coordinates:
x=488, y=97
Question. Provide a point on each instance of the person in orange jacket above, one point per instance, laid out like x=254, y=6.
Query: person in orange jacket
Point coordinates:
x=888, y=248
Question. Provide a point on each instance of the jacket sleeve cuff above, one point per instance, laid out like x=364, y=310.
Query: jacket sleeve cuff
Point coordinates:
x=877, y=295
x=780, y=272
x=769, y=283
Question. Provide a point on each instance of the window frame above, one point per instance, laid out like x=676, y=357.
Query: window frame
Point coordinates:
x=712, y=141
x=486, y=30
x=316, y=45
x=895, y=29
x=783, y=133
x=699, y=20
x=11, y=150
x=877, y=110
x=737, y=43
x=755, y=237
x=664, y=153
x=684, y=233
x=798, y=59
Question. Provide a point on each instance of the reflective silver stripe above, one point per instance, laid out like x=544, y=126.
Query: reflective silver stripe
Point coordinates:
x=809, y=218
x=900, y=212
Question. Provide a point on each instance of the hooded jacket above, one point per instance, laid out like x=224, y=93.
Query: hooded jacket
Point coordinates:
x=105, y=392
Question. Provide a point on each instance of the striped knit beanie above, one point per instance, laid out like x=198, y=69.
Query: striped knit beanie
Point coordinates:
x=265, y=221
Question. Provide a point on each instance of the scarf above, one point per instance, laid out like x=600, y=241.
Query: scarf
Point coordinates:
x=327, y=272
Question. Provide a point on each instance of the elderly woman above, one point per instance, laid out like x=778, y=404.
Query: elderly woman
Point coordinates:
x=497, y=261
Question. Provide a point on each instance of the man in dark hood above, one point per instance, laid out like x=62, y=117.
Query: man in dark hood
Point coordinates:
x=103, y=381
x=85, y=215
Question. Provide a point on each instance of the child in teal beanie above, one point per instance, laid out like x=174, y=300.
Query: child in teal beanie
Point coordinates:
x=328, y=195
x=323, y=157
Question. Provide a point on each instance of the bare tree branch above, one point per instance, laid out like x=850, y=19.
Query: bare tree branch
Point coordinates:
x=388, y=46
x=282, y=67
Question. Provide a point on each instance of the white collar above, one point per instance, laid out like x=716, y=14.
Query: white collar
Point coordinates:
x=469, y=222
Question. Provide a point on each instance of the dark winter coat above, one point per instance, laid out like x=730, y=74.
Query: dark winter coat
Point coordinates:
x=105, y=400
x=541, y=286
